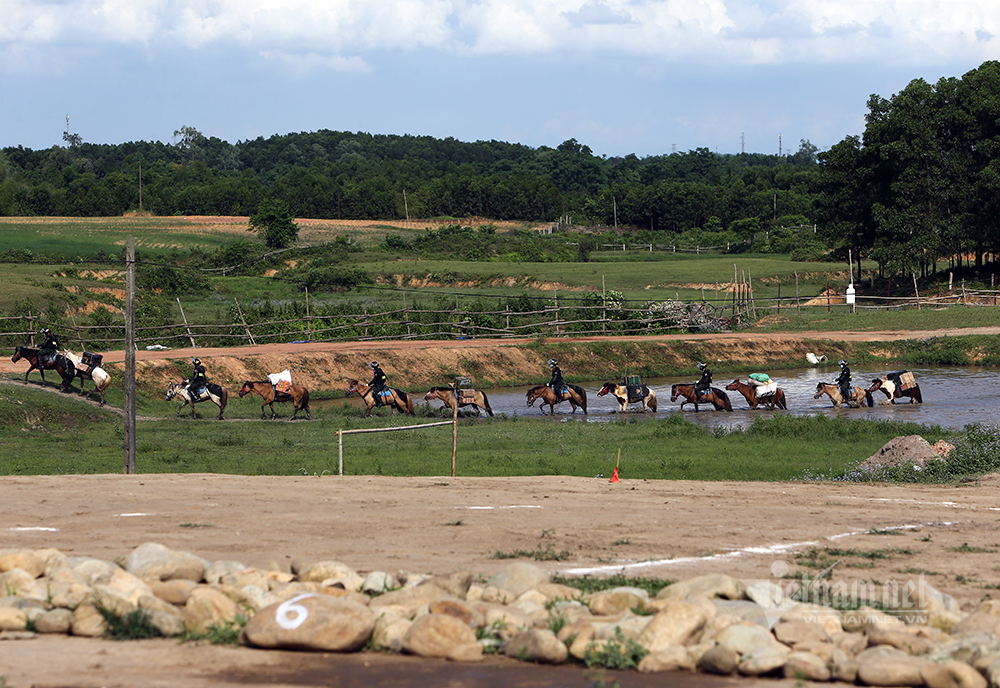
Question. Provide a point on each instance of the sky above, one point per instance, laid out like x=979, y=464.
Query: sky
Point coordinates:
x=648, y=77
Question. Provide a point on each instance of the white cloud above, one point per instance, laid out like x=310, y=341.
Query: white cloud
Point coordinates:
x=714, y=31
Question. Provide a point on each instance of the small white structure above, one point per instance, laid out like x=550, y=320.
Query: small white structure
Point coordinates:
x=814, y=359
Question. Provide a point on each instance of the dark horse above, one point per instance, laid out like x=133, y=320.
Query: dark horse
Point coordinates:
x=715, y=396
x=297, y=394
x=749, y=392
x=60, y=364
x=576, y=396
x=399, y=401
x=892, y=390
x=450, y=396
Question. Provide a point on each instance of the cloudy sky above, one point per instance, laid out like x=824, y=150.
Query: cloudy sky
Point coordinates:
x=621, y=76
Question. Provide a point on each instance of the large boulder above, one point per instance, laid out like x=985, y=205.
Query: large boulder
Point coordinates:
x=311, y=622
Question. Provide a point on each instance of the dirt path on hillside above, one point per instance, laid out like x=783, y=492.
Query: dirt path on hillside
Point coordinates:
x=661, y=529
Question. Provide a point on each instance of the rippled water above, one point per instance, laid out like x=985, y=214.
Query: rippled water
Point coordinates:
x=953, y=398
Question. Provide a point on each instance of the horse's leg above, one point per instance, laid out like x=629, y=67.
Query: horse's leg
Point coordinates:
x=262, y=414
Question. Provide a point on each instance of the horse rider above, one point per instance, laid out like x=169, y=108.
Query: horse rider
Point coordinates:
x=49, y=348
x=844, y=379
x=704, y=385
x=198, y=380
x=378, y=384
x=556, y=383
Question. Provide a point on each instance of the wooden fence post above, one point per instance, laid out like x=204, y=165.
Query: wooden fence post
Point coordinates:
x=186, y=326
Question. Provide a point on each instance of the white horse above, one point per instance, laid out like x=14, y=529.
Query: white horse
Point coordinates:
x=217, y=394
x=101, y=378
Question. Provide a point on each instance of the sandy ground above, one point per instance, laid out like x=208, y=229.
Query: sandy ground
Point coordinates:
x=673, y=530
x=661, y=529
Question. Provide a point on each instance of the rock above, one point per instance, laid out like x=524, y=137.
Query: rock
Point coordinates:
x=762, y=661
x=323, y=570
x=311, y=622
x=743, y=610
x=155, y=561
x=886, y=666
x=711, y=585
x=215, y=572
x=676, y=658
x=26, y=560
x=845, y=671
x=795, y=632
x=676, y=624
x=92, y=571
x=865, y=618
x=537, y=645
x=410, y=598
x=900, y=451
x=127, y=585
x=470, y=617
x=435, y=635
x=389, y=631
x=509, y=622
x=616, y=601
x=718, y=660
x=518, y=578
x=87, y=621
x=378, y=582
x=12, y=619
x=952, y=675
x=744, y=638
x=169, y=625
x=558, y=591
x=208, y=607
x=901, y=640
x=54, y=621
x=174, y=591
x=984, y=619
x=806, y=666
x=457, y=584
x=14, y=581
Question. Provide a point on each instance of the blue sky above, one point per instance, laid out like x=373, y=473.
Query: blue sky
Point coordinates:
x=621, y=76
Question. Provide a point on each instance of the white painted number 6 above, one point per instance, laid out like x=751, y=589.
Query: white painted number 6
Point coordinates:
x=298, y=613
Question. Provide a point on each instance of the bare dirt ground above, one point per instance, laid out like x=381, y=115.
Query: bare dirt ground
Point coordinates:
x=672, y=530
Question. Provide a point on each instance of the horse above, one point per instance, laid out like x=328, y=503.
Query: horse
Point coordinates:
x=718, y=398
x=621, y=392
x=749, y=392
x=297, y=394
x=96, y=373
x=450, y=397
x=61, y=364
x=891, y=389
x=401, y=401
x=859, y=395
x=576, y=396
x=217, y=394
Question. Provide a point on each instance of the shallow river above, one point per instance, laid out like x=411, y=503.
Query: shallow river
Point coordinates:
x=953, y=398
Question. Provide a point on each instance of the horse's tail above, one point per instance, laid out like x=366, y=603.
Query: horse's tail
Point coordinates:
x=779, y=399
x=582, y=394
x=486, y=404
x=304, y=399
x=407, y=405
x=652, y=401
x=726, y=404
x=917, y=395
x=868, y=399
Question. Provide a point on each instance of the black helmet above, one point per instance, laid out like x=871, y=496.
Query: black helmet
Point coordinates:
x=842, y=363
x=195, y=361
x=701, y=366
x=46, y=330
x=552, y=362
x=373, y=365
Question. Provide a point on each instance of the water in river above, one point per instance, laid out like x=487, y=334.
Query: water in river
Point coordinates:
x=953, y=398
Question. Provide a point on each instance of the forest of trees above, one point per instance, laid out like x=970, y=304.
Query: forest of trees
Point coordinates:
x=922, y=182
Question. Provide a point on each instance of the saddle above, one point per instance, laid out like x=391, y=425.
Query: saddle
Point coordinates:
x=383, y=397
x=637, y=392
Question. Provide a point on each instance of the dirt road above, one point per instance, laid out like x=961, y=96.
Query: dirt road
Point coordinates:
x=660, y=529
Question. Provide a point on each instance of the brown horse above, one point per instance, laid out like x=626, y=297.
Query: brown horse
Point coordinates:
x=297, y=394
x=60, y=364
x=715, y=396
x=859, y=395
x=450, y=398
x=400, y=400
x=576, y=396
x=646, y=396
x=749, y=392
x=891, y=389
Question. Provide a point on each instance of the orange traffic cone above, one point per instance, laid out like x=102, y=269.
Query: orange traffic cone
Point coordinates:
x=614, y=476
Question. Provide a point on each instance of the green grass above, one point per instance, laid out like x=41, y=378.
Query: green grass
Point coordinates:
x=43, y=434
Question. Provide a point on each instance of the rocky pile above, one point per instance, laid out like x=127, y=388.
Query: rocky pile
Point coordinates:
x=714, y=623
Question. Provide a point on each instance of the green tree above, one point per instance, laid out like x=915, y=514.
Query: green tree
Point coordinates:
x=275, y=223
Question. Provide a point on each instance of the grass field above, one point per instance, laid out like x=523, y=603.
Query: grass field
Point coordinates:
x=43, y=433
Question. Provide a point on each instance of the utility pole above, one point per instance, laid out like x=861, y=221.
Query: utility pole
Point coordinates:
x=130, y=356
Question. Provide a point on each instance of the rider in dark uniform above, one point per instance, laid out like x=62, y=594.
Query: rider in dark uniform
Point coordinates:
x=556, y=383
x=704, y=385
x=378, y=383
x=844, y=380
x=198, y=380
x=49, y=348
